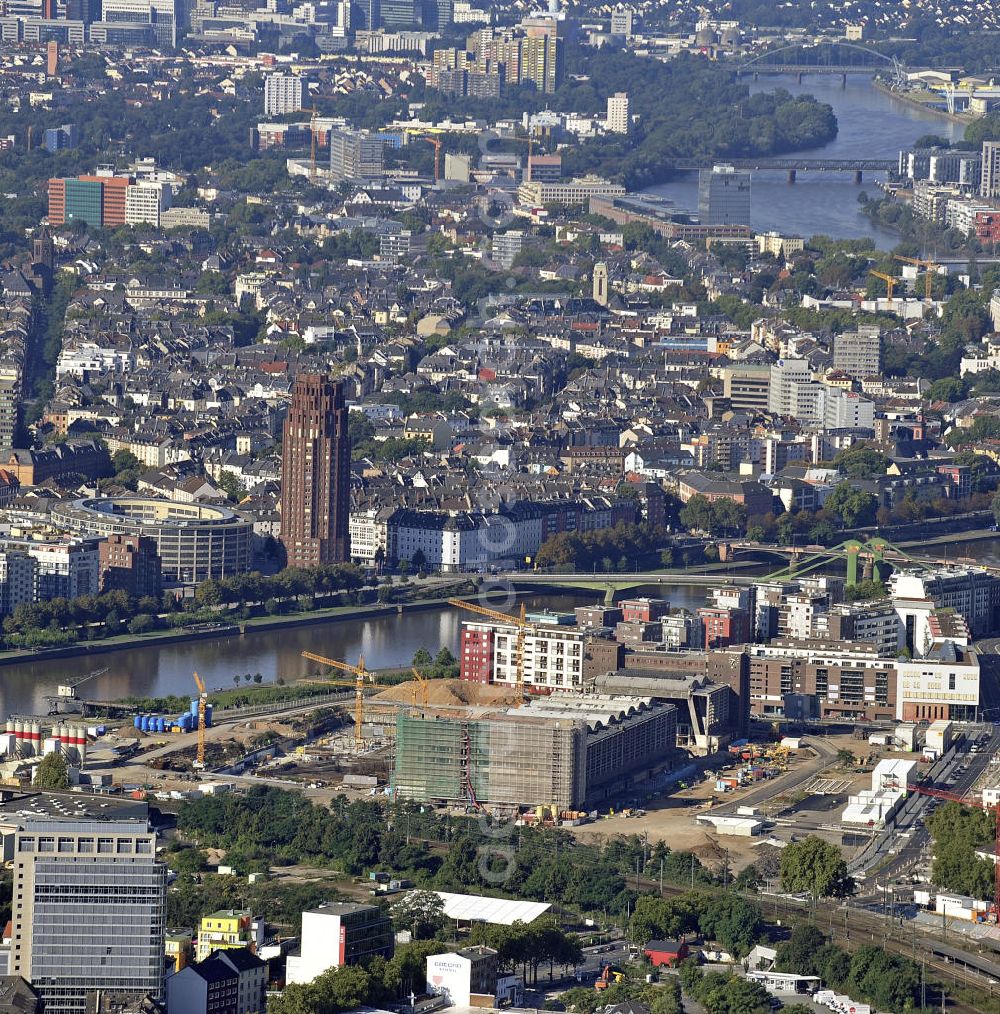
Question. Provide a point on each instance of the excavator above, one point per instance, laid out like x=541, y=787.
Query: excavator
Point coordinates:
x=610, y=976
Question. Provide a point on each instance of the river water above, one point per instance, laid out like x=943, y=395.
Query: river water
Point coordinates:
x=872, y=125
x=157, y=670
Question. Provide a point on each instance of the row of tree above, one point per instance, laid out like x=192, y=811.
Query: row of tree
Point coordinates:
x=62, y=621
x=870, y=974
x=626, y=547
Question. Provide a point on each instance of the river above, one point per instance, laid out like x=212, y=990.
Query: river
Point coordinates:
x=157, y=670
x=872, y=125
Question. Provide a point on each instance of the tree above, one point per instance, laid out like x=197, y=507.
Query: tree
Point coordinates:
x=861, y=462
x=853, y=506
x=815, y=867
x=418, y=560
x=124, y=461
x=230, y=484
x=950, y=389
x=421, y=912
x=52, y=773
x=422, y=658
x=445, y=661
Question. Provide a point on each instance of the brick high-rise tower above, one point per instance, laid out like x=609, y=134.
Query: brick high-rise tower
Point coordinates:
x=316, y=474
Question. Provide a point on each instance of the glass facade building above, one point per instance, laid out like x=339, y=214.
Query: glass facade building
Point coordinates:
x=89, y=910
x=723, y=196
x=84, y=202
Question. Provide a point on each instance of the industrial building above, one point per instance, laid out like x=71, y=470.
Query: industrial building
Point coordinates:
x=561, y=751
x=892, y=780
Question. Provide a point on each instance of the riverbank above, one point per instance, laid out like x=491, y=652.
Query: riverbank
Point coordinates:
x=963, y=118
x=179, y=635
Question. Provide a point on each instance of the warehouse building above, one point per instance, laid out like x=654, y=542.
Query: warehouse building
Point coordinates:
x=561, y=751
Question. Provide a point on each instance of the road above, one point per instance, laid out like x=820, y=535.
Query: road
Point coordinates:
x=789, y=781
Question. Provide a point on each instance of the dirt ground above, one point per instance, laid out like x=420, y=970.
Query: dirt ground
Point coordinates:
x=671, y=818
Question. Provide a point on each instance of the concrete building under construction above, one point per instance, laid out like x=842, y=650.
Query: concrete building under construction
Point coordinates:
x=562, y=751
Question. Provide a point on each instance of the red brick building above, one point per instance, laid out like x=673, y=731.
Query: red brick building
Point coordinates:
x=316, y=474
x=130, y=563
x=724, y=626
x=643, y=610
x=476, y=655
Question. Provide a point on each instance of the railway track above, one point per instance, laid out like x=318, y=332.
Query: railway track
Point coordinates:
x=852, y=927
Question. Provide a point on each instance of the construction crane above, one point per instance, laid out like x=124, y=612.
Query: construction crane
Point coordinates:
x=423, y=686
x=522, y=628
x=312, y=148
x=437, y=156
x=67, y=691
x=928, y=267
x=362, y=678
x=952, y=797
x=890, y=280
x=202, y=708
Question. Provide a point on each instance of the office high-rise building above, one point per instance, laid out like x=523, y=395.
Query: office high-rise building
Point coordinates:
x=355, y=154
x=316, y=474
x=723, y=196
x=858, y=353
x=282, y=94
x=398, y=15
x=10, y=401
x=617, y=119
x=163, y=17
x=991, y=169
x=437, y=15
x=621, y=22
x=89, y=909
x=364, y=15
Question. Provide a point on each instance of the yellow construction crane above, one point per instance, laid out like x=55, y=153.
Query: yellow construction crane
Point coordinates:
x=362, y=678
x=437, y=156
x=522, y=628
x=928, y=267
x=423, y=686
x=890, y=280
x=202, y=702
x=312, y=149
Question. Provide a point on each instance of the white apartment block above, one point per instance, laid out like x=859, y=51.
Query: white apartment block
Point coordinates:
x=145, y=201
x=282, y=94
x=617, y=120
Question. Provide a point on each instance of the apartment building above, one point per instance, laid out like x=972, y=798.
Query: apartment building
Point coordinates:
x=553, y=651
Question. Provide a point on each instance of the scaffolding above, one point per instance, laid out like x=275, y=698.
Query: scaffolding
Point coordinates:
x=497, y=760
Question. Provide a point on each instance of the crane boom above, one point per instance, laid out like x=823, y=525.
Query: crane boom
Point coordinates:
x=890, y=281
x=928, y=266
x=953, y=797
x=519, y=622
x=362, y=676
x=423, y=686
x=202, y=710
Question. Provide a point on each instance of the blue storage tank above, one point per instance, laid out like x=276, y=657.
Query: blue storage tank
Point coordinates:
x=102, y=730
x=137, y=722
x=144, y=723
x=194, y=705
x=187, y=723
x=161, y=725
x=208, y=716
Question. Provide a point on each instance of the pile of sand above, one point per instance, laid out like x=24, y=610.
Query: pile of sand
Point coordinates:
x=448, y=693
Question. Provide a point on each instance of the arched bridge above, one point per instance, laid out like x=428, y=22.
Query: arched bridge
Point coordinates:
x=822, y=58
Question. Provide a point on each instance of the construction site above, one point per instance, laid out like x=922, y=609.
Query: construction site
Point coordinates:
x=565, y=751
